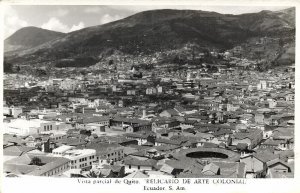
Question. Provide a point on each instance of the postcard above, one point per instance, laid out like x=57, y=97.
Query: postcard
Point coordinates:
x=149, y=96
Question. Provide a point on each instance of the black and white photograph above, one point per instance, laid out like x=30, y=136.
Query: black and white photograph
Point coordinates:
x=149, y=91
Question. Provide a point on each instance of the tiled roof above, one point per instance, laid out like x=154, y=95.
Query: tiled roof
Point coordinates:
x=137, y=174
x=18, y=169
x=211, y=167
x=16, y=150
x=252, y=134
x=137, y=162
x=180, y=164
x=22, y=163
x=102, y=148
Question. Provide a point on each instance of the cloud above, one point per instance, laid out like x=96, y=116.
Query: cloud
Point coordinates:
x=77, y=27
x=12, y=21
x=59, y=13
x=92, y=10
x=109, y=18
x=55, y=25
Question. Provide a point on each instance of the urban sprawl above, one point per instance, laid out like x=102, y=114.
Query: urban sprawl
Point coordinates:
x=153, y=121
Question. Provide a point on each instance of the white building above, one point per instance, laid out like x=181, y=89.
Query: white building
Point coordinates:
x=80, y=158
x=14, y=111
x=262, y=85
x=27, y=127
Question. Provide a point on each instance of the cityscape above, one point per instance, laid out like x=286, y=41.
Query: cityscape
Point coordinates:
x=158, y=94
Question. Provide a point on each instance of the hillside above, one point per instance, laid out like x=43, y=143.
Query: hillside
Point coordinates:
x=29, y=37
x=155, y=31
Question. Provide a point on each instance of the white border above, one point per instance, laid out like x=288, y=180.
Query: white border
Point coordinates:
x=51, y=185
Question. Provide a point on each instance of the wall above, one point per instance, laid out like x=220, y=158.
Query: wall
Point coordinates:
x=130, y=169
x=252, y=164
x=57, y=171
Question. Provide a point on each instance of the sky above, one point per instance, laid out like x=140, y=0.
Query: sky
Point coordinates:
x=67, y=18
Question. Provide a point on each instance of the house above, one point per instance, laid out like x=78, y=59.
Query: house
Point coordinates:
x=271, y=144
x=175, y=167
x=140, y=137
x=256, y=164
x=134, y=164
x=218, y=169
x=130, y=124
x=117, y=170
x=277, y=166
x=252, y=137
x=165, y=123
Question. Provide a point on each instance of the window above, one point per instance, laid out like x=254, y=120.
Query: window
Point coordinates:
x=139, y=167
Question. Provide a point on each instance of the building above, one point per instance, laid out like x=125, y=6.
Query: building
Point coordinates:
x=134, y=164
x=37, y=165
x=12, y=111
x=29, y=126
x=110, y=152
x=256, y=164
x=84, y=122
x=251, y=137
x=79, y=158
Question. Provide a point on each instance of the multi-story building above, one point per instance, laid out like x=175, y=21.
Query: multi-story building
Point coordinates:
x=80, y=158
x=31, y=126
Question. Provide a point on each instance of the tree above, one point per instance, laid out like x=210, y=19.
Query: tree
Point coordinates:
x=36, y=161
x=110, y=62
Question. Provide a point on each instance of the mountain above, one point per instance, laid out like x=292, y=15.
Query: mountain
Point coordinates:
x=288, y=15
x=154, y=31
x=30, y=37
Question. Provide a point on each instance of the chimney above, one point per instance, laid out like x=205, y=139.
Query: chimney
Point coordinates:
x=144, y=114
